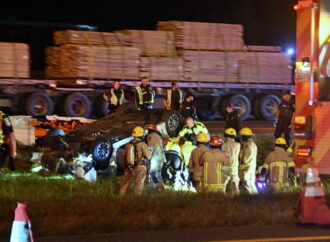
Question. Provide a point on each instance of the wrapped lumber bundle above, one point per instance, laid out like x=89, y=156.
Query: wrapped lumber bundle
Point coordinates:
x=14, y=60
x=263, y=48
x=161, y=68
x=151, y=43
x=89, y=38
x=205, y=36
x=99, y=62
x=265, y=67
x=211, y=66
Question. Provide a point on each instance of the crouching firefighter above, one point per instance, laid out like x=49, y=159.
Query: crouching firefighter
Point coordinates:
x=137, y=155
x=7, y=142
x=280, y=166
x=212, y=162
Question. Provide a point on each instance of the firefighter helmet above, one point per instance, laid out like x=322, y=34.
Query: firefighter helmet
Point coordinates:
x=216, y=141
x=202, y=138
x=280, y=141
x=230, y=131
x=152, y=126
x=246, y=132
x=138, y=131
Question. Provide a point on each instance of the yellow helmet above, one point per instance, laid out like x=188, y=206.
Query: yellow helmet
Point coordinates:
x=138, y=131
x=280, y=141
x=202, y=138
x=246, y=132
x=230, y=131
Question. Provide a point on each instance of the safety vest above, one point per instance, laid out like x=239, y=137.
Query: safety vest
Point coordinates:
x=114, y=99
x=186, y=151
x=140, y=94
x=173, y=145
x=169, y=97
x=1, y=131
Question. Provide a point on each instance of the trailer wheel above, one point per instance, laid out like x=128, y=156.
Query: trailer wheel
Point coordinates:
x=39, y=103
x=101, y=107
x=204, y=109
x=77, y=105
x=101, y=150
x=173, y=122
x=269, y=106
x=242, y=104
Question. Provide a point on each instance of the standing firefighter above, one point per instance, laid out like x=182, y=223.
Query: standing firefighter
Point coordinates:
x=280, y=166
x=233, y=118
x=145, y=95
x=173, y=98
x=7, y=142
x=115, y=97
x=155, y=143
x=137, y=155
x=248, y=161
x=212, y=162
x=232, y=149
x=284, y=117
x=194, y=165
x=191, y=129
x=188, y=108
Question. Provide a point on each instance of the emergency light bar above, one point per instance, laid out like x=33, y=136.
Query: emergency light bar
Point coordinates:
x=304, y=151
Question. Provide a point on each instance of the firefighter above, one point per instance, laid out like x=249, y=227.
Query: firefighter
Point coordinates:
x=145, y=95
x=137, y=156
x=280, y=166
x=155, y=143
x=191, y=129
x=115, y=97
x=195, y=169
x=232, y=149
x=173, y=98
x=187, y=108
x=248, y=157
x=233, y=118
x=212, y=161
x=7, y=142
x=284, y=116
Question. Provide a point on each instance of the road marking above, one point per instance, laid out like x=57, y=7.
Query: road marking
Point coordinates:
x=280, y=239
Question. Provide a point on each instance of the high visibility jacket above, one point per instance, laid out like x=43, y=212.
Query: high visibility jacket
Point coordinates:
x=278, y=163
x=114, y=100
x=1, y=131
x=173, y=145
x=249, y=156
x=213, y=161
x=186, y=151
x=169, y=93
x=194, y=163
x=145, y=95
x=198, y=128
x=232, y=149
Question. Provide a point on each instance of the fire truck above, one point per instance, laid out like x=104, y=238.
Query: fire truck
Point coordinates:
x=312, y=82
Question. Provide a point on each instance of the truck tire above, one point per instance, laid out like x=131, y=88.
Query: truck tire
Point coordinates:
x=101, y=150
x=39, y=103
x=242, y=104
x=268, y=107
x=204, y=109
x=101, y=107
x=173, y=122
x=77, y=105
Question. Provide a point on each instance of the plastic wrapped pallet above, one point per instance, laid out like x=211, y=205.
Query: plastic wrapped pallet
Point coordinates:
x=205, y=36
x=14, y=60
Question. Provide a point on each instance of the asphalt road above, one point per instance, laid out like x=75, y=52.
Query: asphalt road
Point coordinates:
x=246, y=233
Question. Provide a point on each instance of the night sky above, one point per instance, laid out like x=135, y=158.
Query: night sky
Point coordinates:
x=266, y=22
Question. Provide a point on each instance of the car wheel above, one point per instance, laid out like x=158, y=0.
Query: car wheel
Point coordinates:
x=173, y=122
x=101, y=150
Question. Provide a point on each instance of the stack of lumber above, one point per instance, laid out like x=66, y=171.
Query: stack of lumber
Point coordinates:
x=161, y=68
x=14, y=60
x=205, y=36
x=263, y=48
x=211, y=66
x=81, y=61
x=89, y=38
x=151, y=43
x=265, y=67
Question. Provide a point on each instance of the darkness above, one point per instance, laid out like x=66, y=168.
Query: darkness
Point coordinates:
x=266, y=22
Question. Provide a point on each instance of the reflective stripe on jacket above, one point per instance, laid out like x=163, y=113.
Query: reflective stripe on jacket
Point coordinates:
x=114, y=98
x=140, y=93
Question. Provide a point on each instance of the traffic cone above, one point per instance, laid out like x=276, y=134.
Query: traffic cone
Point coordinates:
x=21, y=230
x=311, y=206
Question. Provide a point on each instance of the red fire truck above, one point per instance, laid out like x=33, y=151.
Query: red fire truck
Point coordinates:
x=312, y=81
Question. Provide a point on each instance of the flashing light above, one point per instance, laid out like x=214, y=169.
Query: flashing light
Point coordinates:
x=290, y=51
x=305, y=151
x=300, y=120
x=261, y=185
